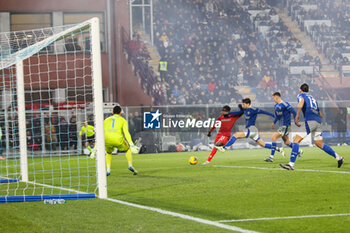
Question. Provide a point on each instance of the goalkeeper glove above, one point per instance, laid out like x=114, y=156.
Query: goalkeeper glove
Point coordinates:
x=134, y=149
x=240, y=107
x=209, y=134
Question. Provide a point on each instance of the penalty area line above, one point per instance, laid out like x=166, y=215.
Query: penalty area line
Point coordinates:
x=287, y=217
x=280, y=169
x=183, y=216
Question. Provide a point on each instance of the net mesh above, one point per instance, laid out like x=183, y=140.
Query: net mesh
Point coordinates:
x=58, y=93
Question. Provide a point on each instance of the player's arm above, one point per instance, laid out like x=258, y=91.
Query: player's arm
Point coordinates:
x=240, y=112
x=134, y=149
x=91, y=129
x=81, y=132
x=300, y=106
x=212, y=128
x=277, y=115
x=260, y=111
x=292, y=111
x=126, y=133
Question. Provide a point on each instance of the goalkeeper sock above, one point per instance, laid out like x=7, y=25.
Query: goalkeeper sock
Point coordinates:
x=128, y=156
x=89, y=148
x=108, y=161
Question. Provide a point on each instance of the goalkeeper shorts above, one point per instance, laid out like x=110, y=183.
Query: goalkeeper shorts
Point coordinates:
x=124, y=146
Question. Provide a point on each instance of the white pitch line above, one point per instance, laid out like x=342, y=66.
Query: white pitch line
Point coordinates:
x=288, y=217
x=54, y=187
x=49, y=186
x=165, y=212
x=183, y=216
x=280, y=169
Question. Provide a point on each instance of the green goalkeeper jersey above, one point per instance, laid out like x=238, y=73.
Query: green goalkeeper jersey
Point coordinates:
x=116, y=129
x=88, y=130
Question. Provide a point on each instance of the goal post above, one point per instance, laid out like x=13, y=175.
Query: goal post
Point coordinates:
x=98, y=107
x=22, y=121
x=51, y=83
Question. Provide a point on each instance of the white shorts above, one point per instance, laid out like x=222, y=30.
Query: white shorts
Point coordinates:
x=252, y=132
x=284, y=130
x=312, y=127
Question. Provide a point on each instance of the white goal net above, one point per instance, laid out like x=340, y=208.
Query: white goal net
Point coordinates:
x=50, y=85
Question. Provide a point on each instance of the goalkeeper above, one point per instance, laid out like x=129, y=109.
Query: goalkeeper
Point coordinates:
x=117, y=136
x=89, y=132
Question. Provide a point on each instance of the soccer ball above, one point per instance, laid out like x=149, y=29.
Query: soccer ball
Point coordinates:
x=193, y=160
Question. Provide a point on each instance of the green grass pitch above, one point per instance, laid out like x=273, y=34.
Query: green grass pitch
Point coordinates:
x=212, y=192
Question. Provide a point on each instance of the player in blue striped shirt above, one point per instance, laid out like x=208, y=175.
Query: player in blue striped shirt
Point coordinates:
x=283, y=112
x=250, y=114
x=309, y=106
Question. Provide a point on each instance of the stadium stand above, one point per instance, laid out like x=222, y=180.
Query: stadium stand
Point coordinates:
x=215, y=52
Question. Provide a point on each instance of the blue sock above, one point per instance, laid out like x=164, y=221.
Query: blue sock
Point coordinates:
x=231, y=141
x=131, y=169
x=273, y=149
x=291, y=145
x=268, y=146
x=329, y=150
x=295, y=151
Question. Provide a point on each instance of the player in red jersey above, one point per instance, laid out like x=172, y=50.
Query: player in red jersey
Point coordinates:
x=224, y=134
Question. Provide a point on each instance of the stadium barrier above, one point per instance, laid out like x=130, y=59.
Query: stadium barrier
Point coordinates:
x=155, y=140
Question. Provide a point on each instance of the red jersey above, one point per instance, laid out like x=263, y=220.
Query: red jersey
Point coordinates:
x=227, y=122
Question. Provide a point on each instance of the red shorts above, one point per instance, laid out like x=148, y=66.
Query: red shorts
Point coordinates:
x=222, y=138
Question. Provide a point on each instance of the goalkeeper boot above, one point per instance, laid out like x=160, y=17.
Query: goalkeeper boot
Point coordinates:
x=220, y=148
x=268, y=159
x=133, y=170
x=108, y=171
x=206, y=163
x=300, y=153
x=287, y=167
x=2, y=158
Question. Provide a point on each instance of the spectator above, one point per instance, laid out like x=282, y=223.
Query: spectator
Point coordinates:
x=63, y=134
x=50, y=136
x=73, y=135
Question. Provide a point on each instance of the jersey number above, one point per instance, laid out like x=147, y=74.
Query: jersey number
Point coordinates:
x=313, y=103
x=113, y=123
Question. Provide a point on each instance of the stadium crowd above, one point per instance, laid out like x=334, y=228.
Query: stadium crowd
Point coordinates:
x=57, y=132
x=210, y=48
x=330, y=30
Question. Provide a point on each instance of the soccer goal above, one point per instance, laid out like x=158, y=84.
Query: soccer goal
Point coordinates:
x=50, y=84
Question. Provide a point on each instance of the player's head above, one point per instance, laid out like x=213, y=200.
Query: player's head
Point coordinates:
x=85, y=123
x=246, y=102
x=117, y=110
x=304, y=88
x=276, y=97
x=225, y=110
